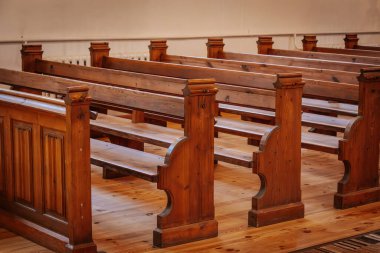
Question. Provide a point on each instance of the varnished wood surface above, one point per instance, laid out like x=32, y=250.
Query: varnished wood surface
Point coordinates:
x=124, y=212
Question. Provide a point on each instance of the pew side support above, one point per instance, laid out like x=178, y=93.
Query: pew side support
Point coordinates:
x=56, y=212
x=188, y=174
x=359, y=150
x=278, y=163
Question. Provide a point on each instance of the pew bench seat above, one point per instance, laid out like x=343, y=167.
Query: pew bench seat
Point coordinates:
x=330, y=107
x=320, y=142
x=308, y=119
x=125, y=160
x=253, y=130
x=164, y=136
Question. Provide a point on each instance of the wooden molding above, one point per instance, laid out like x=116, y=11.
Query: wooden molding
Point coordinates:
x=264, y=44
x=215, y=48
x=97, y=51
x=351, y=41
x=309, y=42
x=157, y=49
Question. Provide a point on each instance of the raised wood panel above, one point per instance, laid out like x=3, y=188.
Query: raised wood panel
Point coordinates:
x=22, y=143
x=53, y=173
x=2, y=155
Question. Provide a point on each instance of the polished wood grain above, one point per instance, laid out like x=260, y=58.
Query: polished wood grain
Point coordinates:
x=53, y=167
x=23, y=184
x=45, y=167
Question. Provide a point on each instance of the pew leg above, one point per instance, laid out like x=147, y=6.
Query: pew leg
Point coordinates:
x=360, y=183
x=189, y=214
x=111, y=174
x=279, y=169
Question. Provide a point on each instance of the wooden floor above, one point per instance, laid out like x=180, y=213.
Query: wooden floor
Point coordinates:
x=124, y=212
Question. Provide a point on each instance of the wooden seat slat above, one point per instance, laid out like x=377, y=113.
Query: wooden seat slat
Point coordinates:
x=308, y=119
x=320, y=142
x=242, y=128
x=144, y=132
x=230, y=155
x=330, y=106
x=134, y=162
x=324, y=122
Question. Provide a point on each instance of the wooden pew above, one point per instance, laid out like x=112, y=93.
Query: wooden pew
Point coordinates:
x=215, y=60
x=186, y=172
x=311, y=76
x=309, y=43
x=362, y=187
x=316, y=79
x=351, y=42
x=266, y=43
x=248, y=80
x=267, y=207
x=174, y=86
x=45, y=190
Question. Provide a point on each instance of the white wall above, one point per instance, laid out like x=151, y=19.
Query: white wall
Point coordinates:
x=129, y=24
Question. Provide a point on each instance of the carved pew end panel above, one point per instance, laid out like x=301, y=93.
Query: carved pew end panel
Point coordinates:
x=188, y=174
x=42, y=159
x=359, y=150
x=278, y=162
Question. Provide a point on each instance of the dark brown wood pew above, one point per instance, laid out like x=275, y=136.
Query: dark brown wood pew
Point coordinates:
x=45, y=183
x=351, y=41
x=266, y=206
x=266, y=43
x=185, y=173
x=309, y=43
x=362, y=187
x=263, y=57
